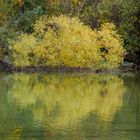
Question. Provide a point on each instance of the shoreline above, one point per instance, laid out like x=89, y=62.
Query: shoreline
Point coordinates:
x=31, y=69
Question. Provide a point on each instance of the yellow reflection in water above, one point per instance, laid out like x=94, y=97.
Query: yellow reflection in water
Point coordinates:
x=62, y=100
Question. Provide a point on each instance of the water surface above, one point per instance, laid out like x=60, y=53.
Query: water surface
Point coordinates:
x=42, y=106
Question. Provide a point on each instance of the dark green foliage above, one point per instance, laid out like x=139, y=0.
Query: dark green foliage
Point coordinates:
x=25, y=21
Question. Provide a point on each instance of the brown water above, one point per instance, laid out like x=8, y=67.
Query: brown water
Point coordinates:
x=66, y=106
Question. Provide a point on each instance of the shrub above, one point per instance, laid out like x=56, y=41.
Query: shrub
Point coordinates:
x=22, y=49
x=110, y=44
x=64, y=41
x=6, y=34
x=67, y=42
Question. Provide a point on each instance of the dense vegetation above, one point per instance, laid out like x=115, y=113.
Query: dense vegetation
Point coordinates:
x=63, y=41
x=46, y=44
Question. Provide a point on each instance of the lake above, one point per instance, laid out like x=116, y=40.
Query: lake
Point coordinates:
x=66, y=106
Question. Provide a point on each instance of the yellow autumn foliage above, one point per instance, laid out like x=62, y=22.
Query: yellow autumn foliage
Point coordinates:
x=64, y=41
x=111, y=43
x=23, y=49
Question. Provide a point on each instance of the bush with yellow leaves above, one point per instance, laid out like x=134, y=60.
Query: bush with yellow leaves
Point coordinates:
x=64, y=41
x=110, y=44
x=23, y=49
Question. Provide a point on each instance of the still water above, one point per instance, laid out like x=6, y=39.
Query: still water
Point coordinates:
x=66, y=106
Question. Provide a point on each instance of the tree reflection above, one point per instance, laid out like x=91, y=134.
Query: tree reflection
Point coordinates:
x=63, y=100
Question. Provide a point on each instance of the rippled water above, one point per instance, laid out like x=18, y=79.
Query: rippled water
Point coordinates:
x=69, y=106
